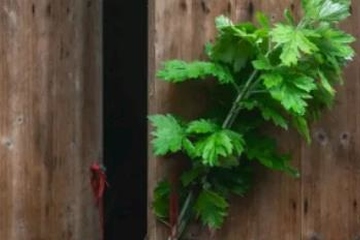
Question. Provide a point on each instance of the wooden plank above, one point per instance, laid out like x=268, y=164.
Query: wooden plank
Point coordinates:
x=271, y=210
x=324, y=202
x=177, y=29
x=331, y=166
x=50, y=118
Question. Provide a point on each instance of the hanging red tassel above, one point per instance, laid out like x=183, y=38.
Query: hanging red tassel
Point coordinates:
x=98, y=184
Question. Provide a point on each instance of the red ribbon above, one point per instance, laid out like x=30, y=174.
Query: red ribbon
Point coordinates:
x=98, y=184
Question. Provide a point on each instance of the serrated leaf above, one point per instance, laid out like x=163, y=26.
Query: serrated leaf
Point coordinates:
x=232, y=49
x=212, y=147
x=160, y=202
x=223, y=143
x=189, y=148
x=262, y=19
x=335, y=43
x=262, y=63
x=211, y=208
x=326, y=84
x=264, y=150
x=168, y=134
x=293, y=94
x=289, y=17
x=274, y=116
x=201, y=126
x=301, y=125
x=191, y=175
x=176, y=71
x=222, y=21
x=237, y=141
x=294, y=41
x=271, y=79
x=304, y=83
x=326, y=10
x=236, y=180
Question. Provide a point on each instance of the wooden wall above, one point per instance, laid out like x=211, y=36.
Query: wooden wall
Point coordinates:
x=50, y=118
x=325, y=202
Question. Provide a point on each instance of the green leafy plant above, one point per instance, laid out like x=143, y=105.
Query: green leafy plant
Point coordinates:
x=283, y=73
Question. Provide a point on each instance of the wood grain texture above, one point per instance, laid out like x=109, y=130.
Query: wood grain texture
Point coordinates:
x=330, y=166
x=324, y=202
x=50, y=118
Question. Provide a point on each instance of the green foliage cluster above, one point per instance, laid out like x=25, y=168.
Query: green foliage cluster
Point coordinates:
x=282, y=73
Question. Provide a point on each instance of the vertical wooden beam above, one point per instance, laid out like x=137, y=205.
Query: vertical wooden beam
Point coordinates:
x=330, y=166
x=177, y=29
x=50, y=118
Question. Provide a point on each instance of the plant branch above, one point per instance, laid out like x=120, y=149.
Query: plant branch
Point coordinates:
x=235, y=108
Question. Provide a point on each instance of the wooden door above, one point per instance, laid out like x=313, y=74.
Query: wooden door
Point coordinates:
x=50, y=118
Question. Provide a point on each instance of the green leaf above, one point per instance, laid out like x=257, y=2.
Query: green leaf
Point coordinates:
x=223, y=143
x=232, y=49
x=168, y=134
x=304, y=83
x=222, y=22
x=263, y=20
x=272, y=79
x=335, y=43
x=294, y=41
x=213, y=146
x=301, y=125
x=289, y=17
x=202, y=126
x=293, y=94
x=326, y=10
x=264, y=150
x=179, y=71
x=273, y=115
x=262, y=63
x=326, y=84
x=160, y=202
x=189, y=148
x=236, y=180
x=211, y=208
x=190, y=176
x=269, y=110
x=237, y=141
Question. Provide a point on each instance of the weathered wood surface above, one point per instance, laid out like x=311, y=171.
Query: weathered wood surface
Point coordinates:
x=324, y=202
x=330, y=166
x=50, y=118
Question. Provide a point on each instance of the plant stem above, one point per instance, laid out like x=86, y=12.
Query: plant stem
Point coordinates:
x=235, y=108
x=229, y=120
x=182, y=224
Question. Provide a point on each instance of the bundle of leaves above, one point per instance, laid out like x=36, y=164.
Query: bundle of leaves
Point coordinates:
x=282, y=73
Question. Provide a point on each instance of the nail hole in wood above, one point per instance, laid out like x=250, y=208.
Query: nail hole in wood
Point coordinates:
x=33, y=9
x=88, y=4
x=251, y=8
x=293, y=204
x=355, y=205
x=357, y=237
x=48, y=9
x=19, y=120
x=345, y=136
x=292, y=7
x=7, y=143
x=183, y=5
x=204, y=7
x=321, y=137
x=315, y=236
x=229, y=7
x=306, y=206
